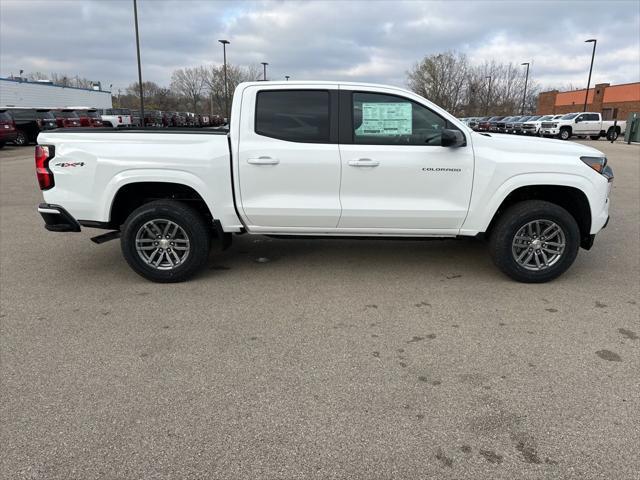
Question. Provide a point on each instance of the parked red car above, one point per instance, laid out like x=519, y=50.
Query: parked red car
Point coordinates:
x=89, y=117
x=67, y=118
x=8, y=131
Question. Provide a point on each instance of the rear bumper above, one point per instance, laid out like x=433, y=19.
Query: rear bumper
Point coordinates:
x=8, y=136
x=57, y=219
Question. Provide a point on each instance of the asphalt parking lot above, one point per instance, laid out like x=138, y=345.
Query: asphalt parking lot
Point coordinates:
x=317, y=359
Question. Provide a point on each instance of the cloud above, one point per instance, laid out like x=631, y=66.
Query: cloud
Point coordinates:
x=372, y=41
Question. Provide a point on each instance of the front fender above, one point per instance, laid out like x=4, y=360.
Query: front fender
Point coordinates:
x=484, y=207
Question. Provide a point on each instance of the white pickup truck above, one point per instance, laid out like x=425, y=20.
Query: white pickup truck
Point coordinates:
x=587, y=124
x=324, y=159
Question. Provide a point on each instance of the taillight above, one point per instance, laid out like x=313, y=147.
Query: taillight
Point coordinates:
x=44, y=153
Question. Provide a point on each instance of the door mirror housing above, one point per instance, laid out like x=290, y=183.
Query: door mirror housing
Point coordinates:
x=578, y=120
x=452, y=138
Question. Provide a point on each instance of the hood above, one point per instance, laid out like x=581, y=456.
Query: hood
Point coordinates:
x=523, y=144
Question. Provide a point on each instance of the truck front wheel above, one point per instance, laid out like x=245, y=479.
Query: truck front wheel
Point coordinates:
x=165, y=241
x=565, y=134
x=535, y=241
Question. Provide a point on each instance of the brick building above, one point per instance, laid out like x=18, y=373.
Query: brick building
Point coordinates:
x=613, y=101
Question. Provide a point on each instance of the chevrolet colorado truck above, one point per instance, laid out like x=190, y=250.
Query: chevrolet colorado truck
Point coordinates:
x=582, y=124
x=324, y=159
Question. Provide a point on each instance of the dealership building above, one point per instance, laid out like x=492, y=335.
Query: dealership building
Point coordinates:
x=613, y=101
x=43, y=94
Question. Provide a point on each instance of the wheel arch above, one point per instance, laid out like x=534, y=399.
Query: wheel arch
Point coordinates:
x=134, y=192
x=571, y=198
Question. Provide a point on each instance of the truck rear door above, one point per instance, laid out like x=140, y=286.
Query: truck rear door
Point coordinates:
x=288, y=157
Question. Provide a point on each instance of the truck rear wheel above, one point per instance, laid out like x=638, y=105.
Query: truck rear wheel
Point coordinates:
x=165, y=241
x=535, y=241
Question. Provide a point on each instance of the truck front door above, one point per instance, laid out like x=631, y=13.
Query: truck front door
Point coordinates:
x=395, y=173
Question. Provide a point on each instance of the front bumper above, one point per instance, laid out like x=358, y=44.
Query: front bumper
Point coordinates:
x=57, y=219
x=549, y=132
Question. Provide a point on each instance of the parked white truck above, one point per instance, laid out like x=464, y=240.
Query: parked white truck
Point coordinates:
x=587, y=124
x=324, y=159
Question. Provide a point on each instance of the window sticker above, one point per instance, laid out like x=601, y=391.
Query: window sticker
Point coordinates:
x=385, y=119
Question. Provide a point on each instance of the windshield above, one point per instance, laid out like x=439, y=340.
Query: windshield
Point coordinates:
x=5, y=116
x=569, y=116
x=93, y=114
x=546, y=117
x=535, y=117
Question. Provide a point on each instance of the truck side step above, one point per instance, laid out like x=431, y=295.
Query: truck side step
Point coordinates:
x=105, y=237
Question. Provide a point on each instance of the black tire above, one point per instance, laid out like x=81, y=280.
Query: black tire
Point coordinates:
x=565, y=134
x=195, y=227
x=612, y=135
x=21, y=138
x=595, y=137
x=515, y=218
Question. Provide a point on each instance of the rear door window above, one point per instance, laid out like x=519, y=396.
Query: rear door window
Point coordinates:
x=293, y=115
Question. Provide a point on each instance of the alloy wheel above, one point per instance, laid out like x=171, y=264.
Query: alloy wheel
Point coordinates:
x=162, y=244
x=538, y=245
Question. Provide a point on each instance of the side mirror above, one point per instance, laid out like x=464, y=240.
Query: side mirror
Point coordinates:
x=452, y=138
x=578, y=120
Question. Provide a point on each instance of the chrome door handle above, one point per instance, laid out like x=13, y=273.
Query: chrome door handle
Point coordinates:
x=263, y=161
x=364, y=162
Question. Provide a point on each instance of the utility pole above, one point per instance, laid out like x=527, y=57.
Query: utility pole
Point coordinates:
x=524, y=96
x=264, y=67
x=593, y=54
x=226, y=88
x=135, y=15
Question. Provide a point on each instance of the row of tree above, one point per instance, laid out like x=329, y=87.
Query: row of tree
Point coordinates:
x=198, y=90
x=466, y=90
x=448, y=79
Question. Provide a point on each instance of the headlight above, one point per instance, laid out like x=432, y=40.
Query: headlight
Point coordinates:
x=555, y=125
x=597, y=163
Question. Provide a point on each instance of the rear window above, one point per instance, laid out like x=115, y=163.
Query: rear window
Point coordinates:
x=66, y=114
x=22, y=114
x=45, y=115
x=293, y=115
x=4, y=116
x=93, y=114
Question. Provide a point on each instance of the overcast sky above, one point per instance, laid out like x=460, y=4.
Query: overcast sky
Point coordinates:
x=372, y=41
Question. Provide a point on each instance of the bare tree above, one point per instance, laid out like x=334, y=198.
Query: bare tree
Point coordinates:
x=214, y=81
x=441, y=79
x=189, y=82
x=449, y=80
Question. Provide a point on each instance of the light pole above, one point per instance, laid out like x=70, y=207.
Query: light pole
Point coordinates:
x=486, y=109
x=593, y=54
x=264, y=70
x=135, y=16
x=226, y=92
x=286, y=77
x=524, y=96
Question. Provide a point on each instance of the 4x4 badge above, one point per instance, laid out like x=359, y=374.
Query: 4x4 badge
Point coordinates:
x=70, y=164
